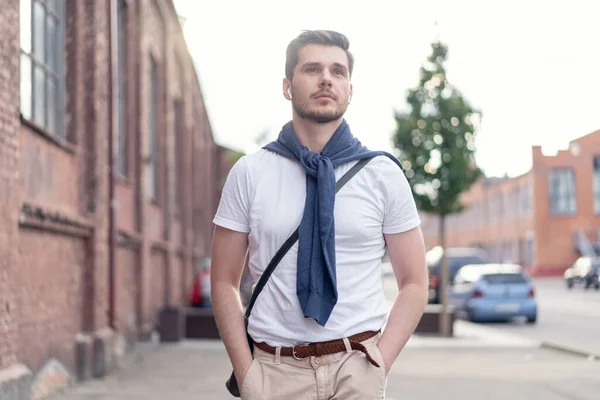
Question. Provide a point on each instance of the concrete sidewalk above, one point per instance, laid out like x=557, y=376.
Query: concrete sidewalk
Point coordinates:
x=479, y=363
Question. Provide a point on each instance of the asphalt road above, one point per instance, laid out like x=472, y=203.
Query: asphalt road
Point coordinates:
x=568, y=318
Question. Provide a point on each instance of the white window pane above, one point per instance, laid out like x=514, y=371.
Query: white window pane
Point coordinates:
x=39, y=31
x=51, y=44
x=39, y=96
x=51, y=103
x=25, y=22
x=51, y=4
x=26, y=88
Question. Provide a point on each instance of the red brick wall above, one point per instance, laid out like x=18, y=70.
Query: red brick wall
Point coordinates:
x=554, y=245
x=479, y=225
x=59, y=287
x=50, y=296
x=128, y=291
x=157, y=295
x=62, y=274
x=9, y=175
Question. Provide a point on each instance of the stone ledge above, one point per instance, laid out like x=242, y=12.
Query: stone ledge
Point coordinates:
x=430, y=320
x=15, y=383
x=200, y=323
x=52, y=377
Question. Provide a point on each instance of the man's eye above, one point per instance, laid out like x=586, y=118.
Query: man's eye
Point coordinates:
x=312, y=70
x=338, y=72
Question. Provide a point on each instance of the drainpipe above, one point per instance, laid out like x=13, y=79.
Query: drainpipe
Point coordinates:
x=112, y=90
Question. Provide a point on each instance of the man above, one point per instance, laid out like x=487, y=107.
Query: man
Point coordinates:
x=328, y=286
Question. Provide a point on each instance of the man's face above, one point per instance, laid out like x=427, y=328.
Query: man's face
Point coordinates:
x=320, y=87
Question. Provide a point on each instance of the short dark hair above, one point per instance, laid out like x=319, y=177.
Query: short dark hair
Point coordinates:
x=324, y=37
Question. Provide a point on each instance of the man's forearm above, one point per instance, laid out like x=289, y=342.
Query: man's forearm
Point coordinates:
x=402, y=321
x=229, y=316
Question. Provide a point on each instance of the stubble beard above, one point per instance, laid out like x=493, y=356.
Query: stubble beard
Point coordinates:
x=316, y=116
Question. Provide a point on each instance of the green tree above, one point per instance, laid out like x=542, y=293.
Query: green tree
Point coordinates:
x=436, y=142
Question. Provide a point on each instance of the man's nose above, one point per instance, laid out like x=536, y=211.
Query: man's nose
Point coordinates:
x=325, y=78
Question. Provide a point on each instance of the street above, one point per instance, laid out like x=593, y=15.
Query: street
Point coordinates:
x=193, y=370
x=482, y=361
x=567, y=318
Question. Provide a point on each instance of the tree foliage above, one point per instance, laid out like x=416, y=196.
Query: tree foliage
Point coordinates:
x=436, y=139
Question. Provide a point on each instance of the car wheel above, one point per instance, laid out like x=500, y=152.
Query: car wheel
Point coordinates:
x=532, y=319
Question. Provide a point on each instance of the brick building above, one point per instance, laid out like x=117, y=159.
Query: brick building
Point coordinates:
x=94, y=242
x=543, y=219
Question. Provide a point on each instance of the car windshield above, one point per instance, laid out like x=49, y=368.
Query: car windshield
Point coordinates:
x=455, y=263
x=503, y=279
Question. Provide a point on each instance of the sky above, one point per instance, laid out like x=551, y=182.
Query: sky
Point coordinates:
x=532, y=67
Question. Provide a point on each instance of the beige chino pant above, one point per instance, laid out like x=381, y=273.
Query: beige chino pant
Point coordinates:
x=340, y=376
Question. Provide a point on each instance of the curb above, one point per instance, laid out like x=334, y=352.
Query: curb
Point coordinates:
x=569, y=350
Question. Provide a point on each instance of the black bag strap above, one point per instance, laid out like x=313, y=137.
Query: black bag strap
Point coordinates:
x=262, y=281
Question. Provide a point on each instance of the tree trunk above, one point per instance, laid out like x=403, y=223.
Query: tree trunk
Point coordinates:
x=444, y=281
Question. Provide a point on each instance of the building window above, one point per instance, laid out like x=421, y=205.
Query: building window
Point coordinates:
x=526, y=252
x=492, y=208
x=597, y=184
x=153, y=131
x=501, y=210
x=122, y=139
x=529, y=252
x=525, y=200
x=511, y=201
x=561, y=191
x=506, y=253
x=521, y=250
x=41, y=63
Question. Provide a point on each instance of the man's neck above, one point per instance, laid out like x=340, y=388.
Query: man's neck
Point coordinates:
x=314, y=135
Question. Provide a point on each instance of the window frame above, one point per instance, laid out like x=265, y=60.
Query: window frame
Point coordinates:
x=51, y=73
x=554, y=199
x=122, y=139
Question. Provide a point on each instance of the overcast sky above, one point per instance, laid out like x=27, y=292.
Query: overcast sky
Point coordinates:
x=531, y=67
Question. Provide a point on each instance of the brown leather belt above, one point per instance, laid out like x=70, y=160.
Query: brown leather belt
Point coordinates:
x=322, y=348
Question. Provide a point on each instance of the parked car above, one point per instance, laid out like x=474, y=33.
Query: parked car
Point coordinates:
x=457, y=257
x=585, y=271
x=493, y=292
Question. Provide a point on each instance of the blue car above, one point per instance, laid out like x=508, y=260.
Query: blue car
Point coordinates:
x=493, y=292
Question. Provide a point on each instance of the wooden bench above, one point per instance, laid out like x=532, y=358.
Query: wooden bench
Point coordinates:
x=178, y=323
x=200, y=324
x=430, y=321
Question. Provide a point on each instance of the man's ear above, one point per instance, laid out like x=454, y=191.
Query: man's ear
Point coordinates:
x=287, y=89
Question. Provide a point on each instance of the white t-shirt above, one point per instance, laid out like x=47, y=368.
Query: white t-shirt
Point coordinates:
x=264, y=195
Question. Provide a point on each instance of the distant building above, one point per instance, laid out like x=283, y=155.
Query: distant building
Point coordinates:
x=544, y=219
x=71, y=299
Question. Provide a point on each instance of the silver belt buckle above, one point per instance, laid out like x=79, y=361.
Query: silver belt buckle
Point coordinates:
x=294, y=350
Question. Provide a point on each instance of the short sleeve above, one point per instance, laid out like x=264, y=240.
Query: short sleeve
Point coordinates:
x=233, y=211
x=400, y=211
